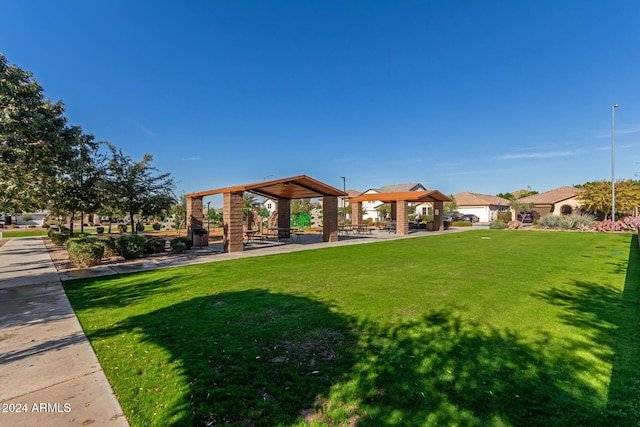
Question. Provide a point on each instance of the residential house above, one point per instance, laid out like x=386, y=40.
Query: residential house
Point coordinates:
x=484, y=206
x=560, y=201
x=369, y=209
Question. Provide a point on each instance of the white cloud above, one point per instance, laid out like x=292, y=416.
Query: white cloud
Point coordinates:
x=145, y=129
x=538, y=155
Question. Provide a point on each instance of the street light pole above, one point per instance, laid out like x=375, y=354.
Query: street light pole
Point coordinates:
x=344, y=201
x=613, y=163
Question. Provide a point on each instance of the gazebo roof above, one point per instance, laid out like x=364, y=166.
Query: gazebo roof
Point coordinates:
x=409, y=196
x=297, y=187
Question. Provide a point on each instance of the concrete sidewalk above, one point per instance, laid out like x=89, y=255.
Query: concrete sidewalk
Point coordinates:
x=49, y=374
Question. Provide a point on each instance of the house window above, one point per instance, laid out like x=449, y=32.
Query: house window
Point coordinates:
x=566, y=210
x=269, y=206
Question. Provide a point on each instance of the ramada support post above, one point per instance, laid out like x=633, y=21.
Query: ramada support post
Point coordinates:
x=330, y=219
x=394, y=211
x=232, y=217
x=284, y=217
x=195, y=218
x=438, y=214
x=402, y=217
x=356, y=213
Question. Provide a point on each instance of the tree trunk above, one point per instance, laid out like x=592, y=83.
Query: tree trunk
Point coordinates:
x=73, y=214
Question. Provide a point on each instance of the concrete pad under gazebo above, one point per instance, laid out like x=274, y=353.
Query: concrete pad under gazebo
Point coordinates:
x=283, y=190
x=400, y=207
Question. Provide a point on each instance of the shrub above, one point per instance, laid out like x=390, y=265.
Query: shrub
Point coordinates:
x=178, y=247
x=140, y=227
x=461, y=224
x=130, y=246
x=85, y=251
x=51, y=229
x=109, y=247
x=153, y=245
x=188, y=242
x=100, y=230
x=498, y=225
x=31, y=226
x=156, y=226
x=504, y=216
x=122, y=228
x=58, y=238
x=549, y=221
x=45, y=225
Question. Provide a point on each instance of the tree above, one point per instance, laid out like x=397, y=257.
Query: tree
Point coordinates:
x=596, y=196
x=384, y=210
x=79, y=189
x=138, y=190
x=451, y=206
x=34, y=141
x=507, y=196
x=300, y=206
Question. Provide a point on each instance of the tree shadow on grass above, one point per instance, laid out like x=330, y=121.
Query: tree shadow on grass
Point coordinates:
x=96, y=292
x=255, y=358
x=611, y=320
x=243, y=358
x=444, y=370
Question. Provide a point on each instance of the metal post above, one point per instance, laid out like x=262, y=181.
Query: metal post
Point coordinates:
x=613, y=164
x=344, y=201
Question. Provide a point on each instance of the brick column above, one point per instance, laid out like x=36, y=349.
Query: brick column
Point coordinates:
x=284, y=217
x=394, y=213
x=232, y=216
x=438, y=214
x=356, y=213
x=195, y=217
x=330, y=219
x=402, y=218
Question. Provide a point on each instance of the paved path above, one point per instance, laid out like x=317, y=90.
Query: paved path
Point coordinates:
x=49, y=374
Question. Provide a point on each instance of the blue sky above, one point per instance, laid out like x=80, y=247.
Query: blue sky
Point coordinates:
x=482, y=96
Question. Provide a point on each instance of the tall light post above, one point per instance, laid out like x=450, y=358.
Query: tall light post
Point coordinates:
x=613, y=163
x=344, y=201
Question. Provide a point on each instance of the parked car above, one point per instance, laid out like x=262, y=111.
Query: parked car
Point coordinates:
x=450, y=217
x=469, y=217
x=526, y=217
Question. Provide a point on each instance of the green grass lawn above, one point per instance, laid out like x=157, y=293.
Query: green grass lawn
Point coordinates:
x=477, y=328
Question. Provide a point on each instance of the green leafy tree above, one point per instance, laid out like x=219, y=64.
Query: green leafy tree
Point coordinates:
x=384, y=210
x=138, y=188
x=300, y=206
x=596, y=195
x=507, y=196
x=451, y=206
x=79, y=189
x=35, y=146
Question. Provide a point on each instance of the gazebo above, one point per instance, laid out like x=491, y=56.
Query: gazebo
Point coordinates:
x=400, y=207
x=283, y=190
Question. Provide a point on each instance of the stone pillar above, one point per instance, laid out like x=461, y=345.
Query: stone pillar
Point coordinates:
x=232, y=216
x=195, y=218
x=438, y=214
x=356, y=213
x=402, y=218
x=330, y=219
x=284, y=217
